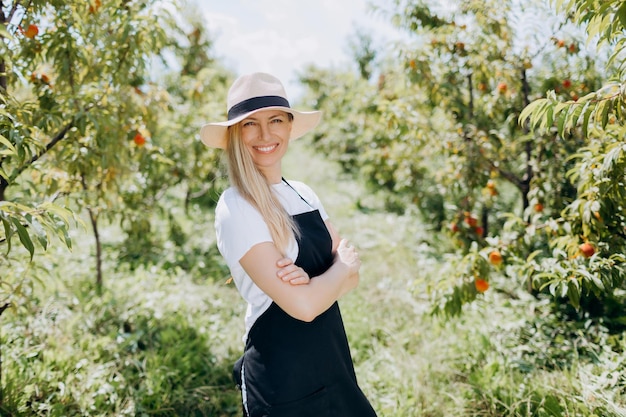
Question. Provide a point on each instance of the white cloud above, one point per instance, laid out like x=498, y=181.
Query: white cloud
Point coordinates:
x=283, y=36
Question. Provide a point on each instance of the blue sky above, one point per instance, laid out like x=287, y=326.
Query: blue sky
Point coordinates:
x=283, y=36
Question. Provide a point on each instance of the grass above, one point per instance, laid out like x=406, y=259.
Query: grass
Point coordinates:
x=161, y=339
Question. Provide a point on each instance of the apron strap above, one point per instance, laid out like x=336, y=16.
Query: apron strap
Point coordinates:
x=302, y=198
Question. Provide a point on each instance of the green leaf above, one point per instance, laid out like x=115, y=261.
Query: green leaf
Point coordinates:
x=10, y=148
x=5, y=33
x=8, y=232
x=606, y=110
x=560, y=106
x=533, y=255
x=40, y=233
x=611, y=158
x=597, y=283
x=548, y=119
x=560, y=127
x=24, y=237
x=587, y=115
x=66, y=237
x=530, y=109
x=621, y=14
x=63, y=213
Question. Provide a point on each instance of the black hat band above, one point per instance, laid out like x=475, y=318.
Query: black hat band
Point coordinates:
x=256, y=103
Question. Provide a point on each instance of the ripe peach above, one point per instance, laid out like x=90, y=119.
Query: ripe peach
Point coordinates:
x=139, y=139
x=470, y=221
x=495, y=257
x=587, y=249
x=481, y=285
x=31, y=31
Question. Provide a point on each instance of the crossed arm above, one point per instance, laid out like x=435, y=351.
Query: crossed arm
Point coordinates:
x=284, y=282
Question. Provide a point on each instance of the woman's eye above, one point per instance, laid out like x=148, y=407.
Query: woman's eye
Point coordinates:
x=249, y=123
x=277, y=120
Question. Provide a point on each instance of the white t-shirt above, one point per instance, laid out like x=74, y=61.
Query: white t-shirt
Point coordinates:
x=239, y=226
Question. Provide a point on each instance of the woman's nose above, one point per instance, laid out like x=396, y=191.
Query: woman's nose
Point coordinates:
x=265, y=131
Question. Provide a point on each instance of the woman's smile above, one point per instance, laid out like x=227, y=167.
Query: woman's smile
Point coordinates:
x=266, y=148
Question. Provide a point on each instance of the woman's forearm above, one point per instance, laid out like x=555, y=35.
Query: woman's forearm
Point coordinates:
x=309, y=301
x=303, y=302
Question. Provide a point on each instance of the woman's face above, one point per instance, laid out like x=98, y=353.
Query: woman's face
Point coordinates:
x=266, y=136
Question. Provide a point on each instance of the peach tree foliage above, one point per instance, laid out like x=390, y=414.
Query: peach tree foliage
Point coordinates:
x=438, y=128
x=99, y=106
x=485, y=68
x=588, y=239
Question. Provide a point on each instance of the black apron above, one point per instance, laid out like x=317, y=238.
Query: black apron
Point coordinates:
x=297, y=369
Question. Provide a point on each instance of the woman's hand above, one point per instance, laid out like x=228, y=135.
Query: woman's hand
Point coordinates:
x=347, y=255
x=290, y=272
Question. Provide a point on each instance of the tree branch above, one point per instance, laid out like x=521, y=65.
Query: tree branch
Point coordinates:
x=56, y=139
x=4, y=307
x=15, y=7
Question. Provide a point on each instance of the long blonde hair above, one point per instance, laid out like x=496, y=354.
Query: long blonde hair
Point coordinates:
x=245, y=176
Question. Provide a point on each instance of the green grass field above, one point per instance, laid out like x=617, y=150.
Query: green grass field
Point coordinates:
x=161, y=339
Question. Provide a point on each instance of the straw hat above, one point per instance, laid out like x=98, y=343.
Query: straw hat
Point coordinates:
x=249, y=94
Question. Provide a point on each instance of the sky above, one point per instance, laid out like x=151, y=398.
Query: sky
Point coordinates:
x=283, y=36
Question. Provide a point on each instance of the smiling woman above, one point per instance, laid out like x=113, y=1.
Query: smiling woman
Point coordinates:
x=266, y=135
x=287, y=261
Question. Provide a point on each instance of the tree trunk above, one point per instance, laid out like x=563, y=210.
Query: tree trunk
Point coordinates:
x=93, y=217
x=3, y=67
x=3, y=187
x=3, y=183
x=528, y=176
x=2, y=308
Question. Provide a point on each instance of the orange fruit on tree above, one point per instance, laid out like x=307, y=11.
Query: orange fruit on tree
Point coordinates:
x=538, y=207
x=587, y=249
x=502, y=87
x=470, y=221
x=93, y=8
x=495, y=257
x=139, y=139
x=31, y=31
x=481, y=285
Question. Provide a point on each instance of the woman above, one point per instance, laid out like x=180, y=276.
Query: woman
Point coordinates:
x=287, y=262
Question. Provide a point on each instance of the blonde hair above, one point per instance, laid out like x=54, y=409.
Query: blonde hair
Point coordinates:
x=254, y=187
